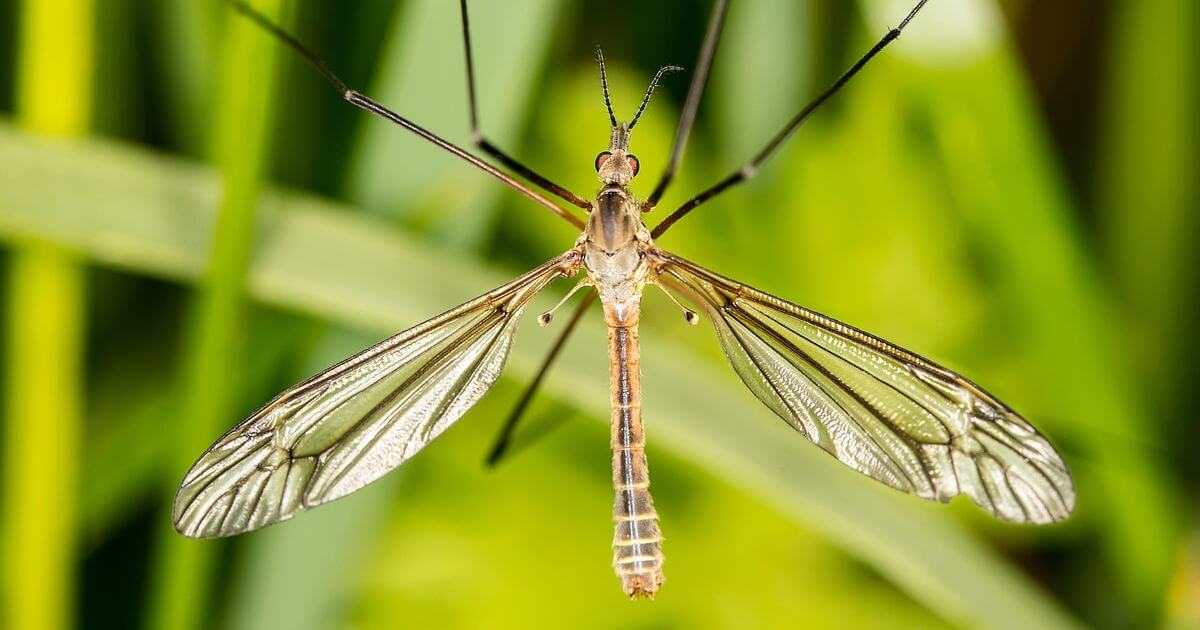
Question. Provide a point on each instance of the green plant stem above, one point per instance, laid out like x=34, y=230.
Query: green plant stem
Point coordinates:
x=44, y=345
x=1147, y=187
x=420, y=53
x=45, y=331
x=1005, y=174
x=185, y=32
x=239, y=146
x=1147, y=194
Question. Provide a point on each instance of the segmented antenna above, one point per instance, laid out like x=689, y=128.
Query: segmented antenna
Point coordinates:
x=650, y=90
x=612, y=118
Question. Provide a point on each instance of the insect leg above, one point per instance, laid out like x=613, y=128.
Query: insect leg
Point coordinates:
x=364, y=102
x=750, y=169
x=695, y=90
x=487, y=147
x=504, y=438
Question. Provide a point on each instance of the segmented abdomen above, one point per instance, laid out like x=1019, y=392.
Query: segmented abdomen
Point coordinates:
x=637, y=543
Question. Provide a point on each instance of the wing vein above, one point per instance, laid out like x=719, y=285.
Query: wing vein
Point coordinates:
x=932, y=413
x=870, y=409
x=891, y=414
x=337, y=431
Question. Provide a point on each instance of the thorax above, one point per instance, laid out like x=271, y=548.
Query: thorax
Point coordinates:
x=614, y=245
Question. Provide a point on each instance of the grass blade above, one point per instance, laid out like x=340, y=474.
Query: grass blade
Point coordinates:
x=240, y=138
x=1154, y=200
x=1004, y=179
x=45, y=340
x=423, y=75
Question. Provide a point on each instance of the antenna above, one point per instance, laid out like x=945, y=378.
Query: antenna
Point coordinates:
x=612, y=118
x=650, y=90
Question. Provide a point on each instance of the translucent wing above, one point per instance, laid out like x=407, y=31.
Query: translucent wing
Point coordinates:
x=357, y=420
x=882, y=410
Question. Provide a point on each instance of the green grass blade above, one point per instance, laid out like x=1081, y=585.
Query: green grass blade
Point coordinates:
x=291, y=576
x=1146, y=183
x=1003, y=177
x=317, y=258
x=127, y=445
x=45, y=342
x=759, y=47
x=181, y=597
x=185, y=43
x=422, y=75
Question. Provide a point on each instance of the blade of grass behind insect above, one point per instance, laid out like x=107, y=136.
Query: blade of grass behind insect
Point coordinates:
x=1015, y=205
x=1146, y=187
x=318, y=258
x=761, y=77
x=1147, y=192
x=760, y=56
x=45, y=342
x=291, y=577
x=8, y=52
x=422, y=75
x=122, y=462
x=185, y=42
x=183, y=571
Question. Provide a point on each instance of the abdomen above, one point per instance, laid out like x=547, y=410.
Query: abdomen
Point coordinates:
x=637, y=543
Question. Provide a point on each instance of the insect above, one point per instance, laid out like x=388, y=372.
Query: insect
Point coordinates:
x=882, y=410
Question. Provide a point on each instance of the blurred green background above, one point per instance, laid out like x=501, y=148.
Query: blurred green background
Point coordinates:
x=190, y=221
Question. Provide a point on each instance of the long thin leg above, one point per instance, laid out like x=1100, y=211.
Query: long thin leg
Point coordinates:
x=504, y=438
x=364, y=102
x=696, y=90
x=491, y=149
x=751, y=168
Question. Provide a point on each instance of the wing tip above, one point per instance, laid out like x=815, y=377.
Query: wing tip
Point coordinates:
x=189, y=531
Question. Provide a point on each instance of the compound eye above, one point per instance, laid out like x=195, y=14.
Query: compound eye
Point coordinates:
x=633, y=162
x=602, y=158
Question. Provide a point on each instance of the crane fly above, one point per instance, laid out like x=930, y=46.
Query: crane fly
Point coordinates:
x=881, y=410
